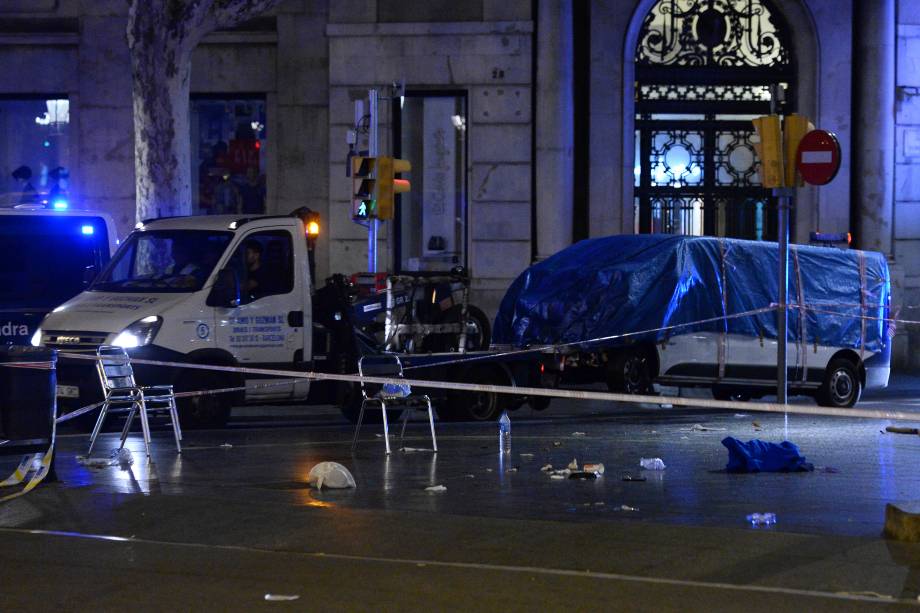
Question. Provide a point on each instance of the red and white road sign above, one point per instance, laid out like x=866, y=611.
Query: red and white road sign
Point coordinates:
x=818, y=157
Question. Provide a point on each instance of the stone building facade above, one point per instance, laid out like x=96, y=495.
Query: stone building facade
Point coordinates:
x=548, y=92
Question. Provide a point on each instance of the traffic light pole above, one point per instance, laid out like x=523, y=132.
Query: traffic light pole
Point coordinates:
x=783, y=196
x=372, y=224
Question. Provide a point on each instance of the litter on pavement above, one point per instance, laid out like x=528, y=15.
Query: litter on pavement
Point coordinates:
x=93, y=462
x=634, y=478
x=652, y=464
x=702, y=428
x=901, y=430
x=436, y=488
x=331, y=475
x=760, y=456
x=118, y=457
x=281, y=597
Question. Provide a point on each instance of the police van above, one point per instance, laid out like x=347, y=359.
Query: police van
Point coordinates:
x=48, y=256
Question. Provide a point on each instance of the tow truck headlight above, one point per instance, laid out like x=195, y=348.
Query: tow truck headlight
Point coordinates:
x=140, y=333
x=37, y=338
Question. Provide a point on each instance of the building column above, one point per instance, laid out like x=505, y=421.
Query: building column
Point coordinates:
x=874, y=119
x=554, y=127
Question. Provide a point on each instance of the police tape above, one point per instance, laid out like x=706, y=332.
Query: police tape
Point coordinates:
x=27, y=465
x=456, y=386
x=826, y=310
x=553, y=347
x=513, y=390
x=189, y=394
x=47, y=365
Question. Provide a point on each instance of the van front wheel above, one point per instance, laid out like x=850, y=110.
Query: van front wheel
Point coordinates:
x=206, y=410
x=842, y=387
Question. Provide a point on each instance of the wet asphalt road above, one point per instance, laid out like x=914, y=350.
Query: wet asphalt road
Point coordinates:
x=232, y=520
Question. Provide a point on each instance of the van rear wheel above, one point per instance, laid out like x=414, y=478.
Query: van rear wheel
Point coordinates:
x=842, y=386
x=629, y=372
x=462, y=405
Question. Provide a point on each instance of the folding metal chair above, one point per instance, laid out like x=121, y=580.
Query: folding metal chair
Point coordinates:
x=122, y=393
x=390, y=367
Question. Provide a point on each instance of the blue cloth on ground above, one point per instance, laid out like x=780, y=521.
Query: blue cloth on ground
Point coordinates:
x=760, y=456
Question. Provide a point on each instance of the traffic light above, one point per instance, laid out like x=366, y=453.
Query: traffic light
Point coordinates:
x=777, y=148
x=364, y=187
x=388, y=185
x=794, y=128
x=770, y=150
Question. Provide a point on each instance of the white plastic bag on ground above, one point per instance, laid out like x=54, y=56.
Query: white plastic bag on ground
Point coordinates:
x=330, y=475
x=652, y=463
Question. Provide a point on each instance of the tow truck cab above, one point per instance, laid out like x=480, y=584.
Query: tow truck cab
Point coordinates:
x=220, y=290
x=49, y=256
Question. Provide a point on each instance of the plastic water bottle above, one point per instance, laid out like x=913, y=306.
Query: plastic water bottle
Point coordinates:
x=504, y=433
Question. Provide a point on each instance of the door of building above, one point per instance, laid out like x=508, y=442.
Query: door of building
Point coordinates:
x=703, y=70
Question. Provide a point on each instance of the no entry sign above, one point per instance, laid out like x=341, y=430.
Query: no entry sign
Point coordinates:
x=818, y=157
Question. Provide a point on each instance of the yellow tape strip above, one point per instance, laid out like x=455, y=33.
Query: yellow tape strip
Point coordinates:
x=25, y=467
x=37, y=478
x=21, y=471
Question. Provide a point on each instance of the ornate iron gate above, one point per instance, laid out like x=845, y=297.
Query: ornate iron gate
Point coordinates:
x=704, y=68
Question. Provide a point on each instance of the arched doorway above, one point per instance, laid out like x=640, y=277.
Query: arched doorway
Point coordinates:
x=703, y=70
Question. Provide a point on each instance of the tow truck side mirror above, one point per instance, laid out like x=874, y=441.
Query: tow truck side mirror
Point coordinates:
x=226, y=290
x=89, y=275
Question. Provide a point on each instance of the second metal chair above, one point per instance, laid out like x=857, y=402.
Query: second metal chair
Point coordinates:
x=389, y=367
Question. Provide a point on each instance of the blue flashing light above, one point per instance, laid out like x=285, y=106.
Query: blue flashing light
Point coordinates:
x=46, y=143
x=59, y=205
x=88, y=230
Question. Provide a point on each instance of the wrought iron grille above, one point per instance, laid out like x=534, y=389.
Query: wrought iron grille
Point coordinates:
x=731, y=93
x=734, y=33
x=704, y=69
x=700, y=176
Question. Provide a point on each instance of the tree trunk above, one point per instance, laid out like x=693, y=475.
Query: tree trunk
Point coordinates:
x=161, y=37
x=161, y=68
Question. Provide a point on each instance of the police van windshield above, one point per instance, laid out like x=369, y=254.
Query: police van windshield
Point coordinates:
x=163, y=261
x=45, y=256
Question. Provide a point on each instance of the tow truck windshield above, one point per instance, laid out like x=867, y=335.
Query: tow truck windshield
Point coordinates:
x=44, y=258
x=163, y=261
